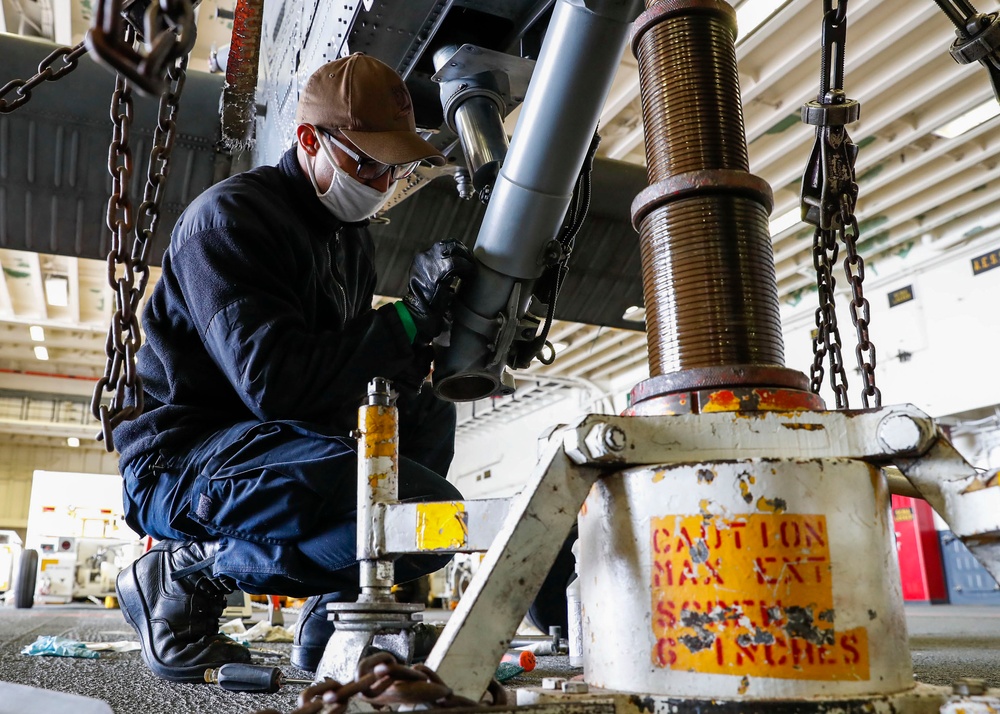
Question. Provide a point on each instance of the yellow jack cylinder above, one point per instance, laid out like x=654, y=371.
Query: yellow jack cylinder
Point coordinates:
x=378, y=481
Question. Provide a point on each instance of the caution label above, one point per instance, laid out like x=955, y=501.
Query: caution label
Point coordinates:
x=750, y=595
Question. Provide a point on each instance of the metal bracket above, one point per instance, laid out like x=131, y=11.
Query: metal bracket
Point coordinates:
x=470, y=60
x=968, y=500
x=444, y=527
x=488, y=614
x=508, y=328
x=878, y=436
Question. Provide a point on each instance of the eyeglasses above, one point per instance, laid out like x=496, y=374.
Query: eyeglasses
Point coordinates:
x=369, y=169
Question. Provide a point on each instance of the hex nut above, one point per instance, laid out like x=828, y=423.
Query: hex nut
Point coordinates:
x=575, y=687
x=553, y=682
x=614, y=438
x=604, y=440
x=901, y=433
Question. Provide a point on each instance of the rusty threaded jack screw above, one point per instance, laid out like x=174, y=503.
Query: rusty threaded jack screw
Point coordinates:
x=708, y=270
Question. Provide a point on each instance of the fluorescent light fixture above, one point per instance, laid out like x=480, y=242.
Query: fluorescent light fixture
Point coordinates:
x=41, y=353
x=969, y=121
x=72, y=441
x=560, y=346
x=635, y=314
x=751, y=14
x=37, y=333
x=57, y=290
x=785, y=221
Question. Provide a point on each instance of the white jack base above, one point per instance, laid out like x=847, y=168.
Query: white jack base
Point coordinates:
x=745, y=580
x=920, y=699
x=359, y=626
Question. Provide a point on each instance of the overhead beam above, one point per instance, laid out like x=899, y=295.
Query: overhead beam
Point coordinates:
x=45, y=428
x=62, y=15
x=50, y=383
x=73, y=275
x=37, y=285
x=6, y=307
x=621, y=97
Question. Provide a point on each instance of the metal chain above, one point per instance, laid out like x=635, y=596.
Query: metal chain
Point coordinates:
x=827, y=340
x=383, y=682
x=159, y=160
x=854, y=267
x=119, y=220
x=128, y=272
x=829, y=196
x=48, y=71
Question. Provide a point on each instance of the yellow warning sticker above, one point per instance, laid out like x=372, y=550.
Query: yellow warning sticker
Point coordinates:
x=378, y=425
x=750, y=595
x=46, y=562
x=442, y=526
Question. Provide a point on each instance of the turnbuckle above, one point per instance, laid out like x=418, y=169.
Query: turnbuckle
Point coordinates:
x=978, y=37
x=829, y=173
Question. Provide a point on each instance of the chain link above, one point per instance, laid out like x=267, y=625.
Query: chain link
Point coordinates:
x=382, y=682
x=48, y=71
x=128, y=271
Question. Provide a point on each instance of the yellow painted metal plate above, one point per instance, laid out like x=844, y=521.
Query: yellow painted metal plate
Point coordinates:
x=442, y=526
x=750, y=595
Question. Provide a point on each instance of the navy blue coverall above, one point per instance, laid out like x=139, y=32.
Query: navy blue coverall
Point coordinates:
x=260, y=343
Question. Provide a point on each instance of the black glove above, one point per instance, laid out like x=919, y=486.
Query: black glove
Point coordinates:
x=412, y=378
x=434, y=276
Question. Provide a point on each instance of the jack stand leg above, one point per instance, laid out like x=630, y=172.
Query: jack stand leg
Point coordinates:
x=539, y=519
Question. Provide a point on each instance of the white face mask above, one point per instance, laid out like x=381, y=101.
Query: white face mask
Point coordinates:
x=347, y=198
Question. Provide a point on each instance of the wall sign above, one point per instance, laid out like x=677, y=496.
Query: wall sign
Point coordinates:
x=985, y=262
x=898, y=297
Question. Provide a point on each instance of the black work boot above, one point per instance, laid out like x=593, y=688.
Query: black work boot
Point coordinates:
x=314, y=630
x=170, y=597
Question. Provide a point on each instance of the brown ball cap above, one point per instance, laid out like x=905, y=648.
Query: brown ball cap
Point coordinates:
x=367, y=101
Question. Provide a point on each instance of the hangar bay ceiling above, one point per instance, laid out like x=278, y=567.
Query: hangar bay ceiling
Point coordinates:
x=928, y=169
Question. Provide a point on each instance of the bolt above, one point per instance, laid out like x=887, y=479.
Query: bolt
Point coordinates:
x=553, y=682
x=574, y=687
x=604, y=440
x=901, y=433
x=614, y=438
x=969, y=687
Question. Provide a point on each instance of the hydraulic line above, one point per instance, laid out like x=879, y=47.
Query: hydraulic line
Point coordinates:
x=708, y=270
